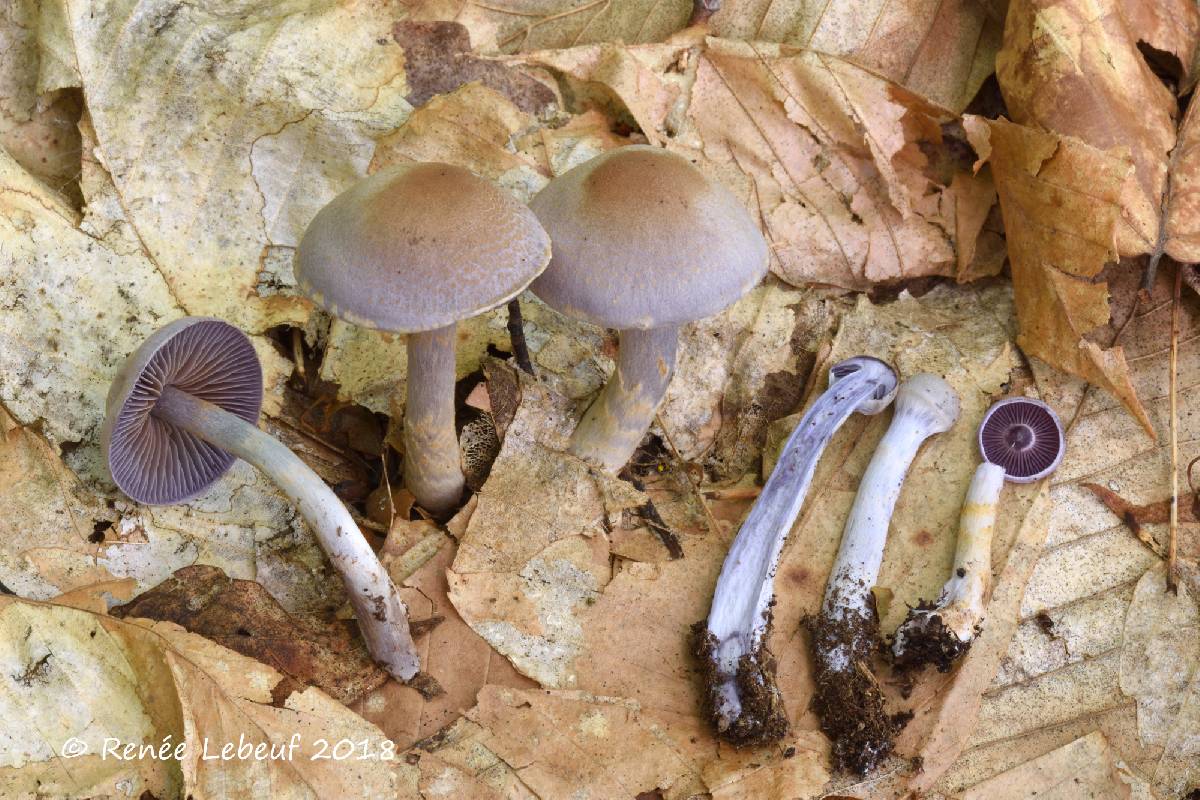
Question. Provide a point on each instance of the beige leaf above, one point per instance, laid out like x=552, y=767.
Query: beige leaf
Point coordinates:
x=279, y=93
x=1084, y=768
x=535, y=25
x=74, y=674
x=829, y=156
x=941, y=51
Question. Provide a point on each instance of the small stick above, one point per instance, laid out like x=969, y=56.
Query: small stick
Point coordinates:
x=712, y=521
x=516, y=334
x=298, y=352
x=1173, y=528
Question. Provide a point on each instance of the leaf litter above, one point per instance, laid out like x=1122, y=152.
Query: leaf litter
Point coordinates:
x=557, y=622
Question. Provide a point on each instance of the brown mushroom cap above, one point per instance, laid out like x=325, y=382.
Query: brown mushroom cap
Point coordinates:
x=643, y=239
x=418, y=246
x=150, y=459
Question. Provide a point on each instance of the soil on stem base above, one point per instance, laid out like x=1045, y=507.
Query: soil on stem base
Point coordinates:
x=763, y=719
x=928, y=641
x=848, y=701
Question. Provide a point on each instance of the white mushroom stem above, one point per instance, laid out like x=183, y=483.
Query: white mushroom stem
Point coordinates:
x=382, y=615
x=961, y=607
x=618, y=418
x=432, y=465
x=925, y=405
x=742, y=695
x=846, y=631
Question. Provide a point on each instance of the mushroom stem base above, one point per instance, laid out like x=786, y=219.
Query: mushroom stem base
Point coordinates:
x=382, y=615
x=618, y=418
x=432, y=465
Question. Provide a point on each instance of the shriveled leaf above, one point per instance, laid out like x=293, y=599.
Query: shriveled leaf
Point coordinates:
x=1062, y=203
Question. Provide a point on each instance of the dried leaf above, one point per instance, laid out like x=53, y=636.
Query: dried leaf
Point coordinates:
x=941, y=51
x=1061, y=200
x=240, y=615
x=1084, y=768
x=307, y=110
x=88, y=676
x=1074, y=69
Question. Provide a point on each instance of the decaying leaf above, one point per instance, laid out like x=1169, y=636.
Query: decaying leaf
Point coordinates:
x=1074, y=69
x=240, y=615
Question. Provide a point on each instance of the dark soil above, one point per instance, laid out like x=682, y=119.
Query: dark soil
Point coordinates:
x=928, y=641
x=848, y=701
x=763, y=719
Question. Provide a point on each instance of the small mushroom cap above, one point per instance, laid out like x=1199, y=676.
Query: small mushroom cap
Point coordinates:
x=932, y=399
x=153, y=461
x=419, y=246
x=872, y=369
x=642, y=239
x=1024, y=436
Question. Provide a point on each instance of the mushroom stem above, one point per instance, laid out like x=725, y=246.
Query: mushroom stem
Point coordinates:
x=845, y=633
x=942, y=633
x=382, y=615
x=618, y=418
x=744, y=702
x=432, y=467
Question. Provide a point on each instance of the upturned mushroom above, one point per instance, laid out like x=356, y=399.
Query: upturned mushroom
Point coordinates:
x=414, y=249
x=184, y=407
x=1022, y=441
x=743, y=701
x=644, y=243
x=845, y=633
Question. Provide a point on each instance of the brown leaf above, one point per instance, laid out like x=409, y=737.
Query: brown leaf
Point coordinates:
x=1182, y=234
x=1086, y=767
x=1074, y=68
x=438, y=60
x=1061, y=201
x=242, y=616
x=830, y=157
x=941, y=51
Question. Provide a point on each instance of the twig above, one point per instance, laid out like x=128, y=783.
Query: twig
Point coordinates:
x=1173, y=529
x=516, y=333
x=654, y=521
x=712, y=521
x=298, y=352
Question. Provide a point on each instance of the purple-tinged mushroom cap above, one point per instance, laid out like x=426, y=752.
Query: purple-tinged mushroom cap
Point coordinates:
x=1024, y=437
x=150, y=459
x=419, y=246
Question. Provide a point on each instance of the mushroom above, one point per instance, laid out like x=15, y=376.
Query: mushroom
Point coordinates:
x=184, y=407
x=644, y=243
x=413, y=249
x=742, y=699
x=845, y=633
x=1021, y=440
